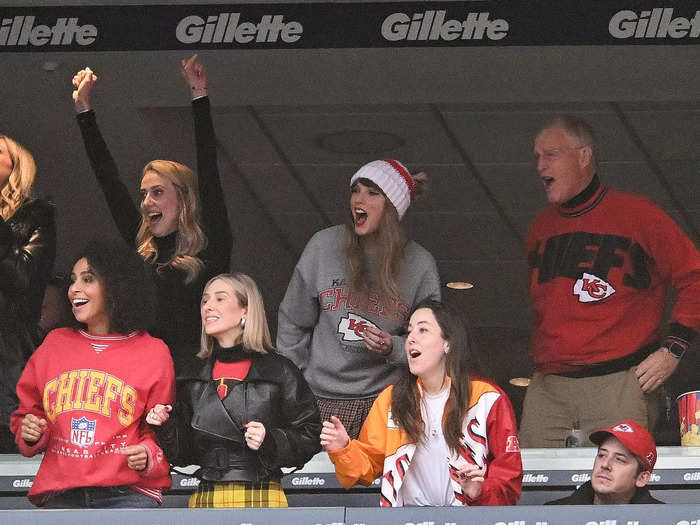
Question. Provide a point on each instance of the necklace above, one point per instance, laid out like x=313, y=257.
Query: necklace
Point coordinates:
x=433, y=407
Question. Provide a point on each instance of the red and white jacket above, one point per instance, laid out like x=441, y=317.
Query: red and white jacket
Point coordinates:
x=489, y=439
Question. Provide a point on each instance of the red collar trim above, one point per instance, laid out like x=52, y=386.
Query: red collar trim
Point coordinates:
x=108, y=337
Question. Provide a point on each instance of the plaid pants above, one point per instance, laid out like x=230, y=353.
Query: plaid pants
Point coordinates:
x=351, y=412
x=238, y=494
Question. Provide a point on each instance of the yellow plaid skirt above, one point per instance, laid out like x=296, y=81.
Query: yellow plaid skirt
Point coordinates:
x=238, y=494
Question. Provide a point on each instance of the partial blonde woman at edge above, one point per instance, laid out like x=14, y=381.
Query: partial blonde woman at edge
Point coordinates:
x=27, y=252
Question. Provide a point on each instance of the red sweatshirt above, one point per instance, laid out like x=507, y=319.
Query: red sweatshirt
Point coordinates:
x=94, y=393
x=599, y=273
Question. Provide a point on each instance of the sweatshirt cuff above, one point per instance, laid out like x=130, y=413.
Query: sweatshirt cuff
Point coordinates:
x=678, y=338
x=28, y=450
x=341, y=456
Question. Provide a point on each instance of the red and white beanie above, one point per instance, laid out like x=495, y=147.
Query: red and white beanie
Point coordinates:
x=393, y=179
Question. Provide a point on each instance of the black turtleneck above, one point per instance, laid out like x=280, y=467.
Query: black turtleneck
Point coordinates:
x=231, y=354
x=166, y=247
x=585, y=195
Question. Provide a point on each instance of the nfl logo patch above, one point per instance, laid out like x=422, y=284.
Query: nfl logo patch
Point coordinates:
x=82, y=431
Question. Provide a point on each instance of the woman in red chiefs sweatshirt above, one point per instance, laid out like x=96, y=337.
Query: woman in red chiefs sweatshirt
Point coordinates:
x=85, y=391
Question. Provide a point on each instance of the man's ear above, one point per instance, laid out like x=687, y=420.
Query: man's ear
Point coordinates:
x=585, y=156
x=642, y=479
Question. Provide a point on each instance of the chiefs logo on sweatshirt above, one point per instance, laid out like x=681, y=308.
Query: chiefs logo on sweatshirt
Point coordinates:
x=353, y=326
x=92, y=391
x=590, y=288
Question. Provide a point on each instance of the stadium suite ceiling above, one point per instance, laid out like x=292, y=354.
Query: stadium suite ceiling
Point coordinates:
x=294, y=124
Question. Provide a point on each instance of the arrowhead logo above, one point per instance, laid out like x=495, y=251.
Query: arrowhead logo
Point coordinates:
x=352, y=327
x=590, y=288
x=622, y=427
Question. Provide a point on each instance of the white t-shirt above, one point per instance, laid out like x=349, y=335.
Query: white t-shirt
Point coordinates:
x=427, y=482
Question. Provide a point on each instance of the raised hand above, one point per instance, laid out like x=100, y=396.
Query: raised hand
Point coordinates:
x=655, y=370
x=195, y=75
x=136, y=457
x=254, y=434
x=83, y=82
x=377, y=340
x=333, y=435
x=158, y=415
x=471, y=477
x=33, y=428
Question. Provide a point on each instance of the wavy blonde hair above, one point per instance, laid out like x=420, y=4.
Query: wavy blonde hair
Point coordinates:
x=190, y=238
x=255, y=337
x=19, y=185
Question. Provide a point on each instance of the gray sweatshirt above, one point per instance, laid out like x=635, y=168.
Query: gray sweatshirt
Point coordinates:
x=320, y=319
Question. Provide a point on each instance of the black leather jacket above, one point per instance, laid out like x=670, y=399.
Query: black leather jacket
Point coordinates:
x=27, y=251
x=208, y=431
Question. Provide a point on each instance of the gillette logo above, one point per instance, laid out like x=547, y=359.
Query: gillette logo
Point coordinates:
x=25, y=483
x=656, y=23
x=189, y=482
x=432, y=25
x=228, y=28
x=21, y=31
x=532, y=478
x=308, y=480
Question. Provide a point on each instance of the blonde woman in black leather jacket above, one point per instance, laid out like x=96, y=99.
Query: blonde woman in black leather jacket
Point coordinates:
x=247, y=413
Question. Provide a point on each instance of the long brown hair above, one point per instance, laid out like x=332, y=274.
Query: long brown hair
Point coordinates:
x=19, y=185
x=389, y=240
x=406, y=395
x=190, y=238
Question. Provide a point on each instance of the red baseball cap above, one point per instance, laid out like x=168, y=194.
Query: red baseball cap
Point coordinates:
x=633, y=436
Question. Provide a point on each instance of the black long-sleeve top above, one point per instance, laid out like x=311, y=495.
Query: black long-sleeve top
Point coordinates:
x=178, y=321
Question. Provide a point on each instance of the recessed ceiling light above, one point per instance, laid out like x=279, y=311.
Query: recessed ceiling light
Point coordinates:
x=459, y=285
x=520, y=381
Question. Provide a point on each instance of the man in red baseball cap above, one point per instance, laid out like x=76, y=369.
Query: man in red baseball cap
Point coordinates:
x=622, y=468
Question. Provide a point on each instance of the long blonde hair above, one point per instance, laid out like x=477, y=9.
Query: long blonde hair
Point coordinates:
x=190, y=238
x=19, y=185
x=255, y=337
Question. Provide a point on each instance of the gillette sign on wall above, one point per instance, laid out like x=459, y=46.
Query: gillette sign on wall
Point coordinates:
x=347, y=25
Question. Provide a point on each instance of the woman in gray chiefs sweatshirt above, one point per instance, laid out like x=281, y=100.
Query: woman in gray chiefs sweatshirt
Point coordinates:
x=351, y=292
